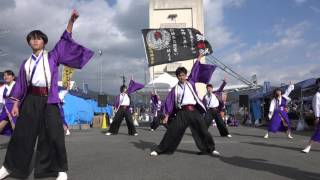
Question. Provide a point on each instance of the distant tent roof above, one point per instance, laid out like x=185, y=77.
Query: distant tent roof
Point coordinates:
x=306, y=83
x=164, y=81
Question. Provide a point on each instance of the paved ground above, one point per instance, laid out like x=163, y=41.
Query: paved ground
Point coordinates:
x=94, y=156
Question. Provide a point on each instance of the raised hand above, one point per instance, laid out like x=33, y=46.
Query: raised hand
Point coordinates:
x=74, y=15
x=73, y=18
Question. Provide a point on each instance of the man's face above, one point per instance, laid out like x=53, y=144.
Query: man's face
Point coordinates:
x=278, y=93
x=182, y=77
x=8, y=78
x=36, y=44
x=209, y=89
x=125, y=90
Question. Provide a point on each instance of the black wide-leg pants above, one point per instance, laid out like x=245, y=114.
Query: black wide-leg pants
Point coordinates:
x=156, y=122
x=215, y=114
x=40, y=120
x=176, y=130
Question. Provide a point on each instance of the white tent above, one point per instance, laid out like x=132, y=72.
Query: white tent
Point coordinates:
x=164, y=81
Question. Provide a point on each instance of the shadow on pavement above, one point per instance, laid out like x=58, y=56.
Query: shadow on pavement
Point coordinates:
x=144, y=145
x=278, y=146
x=263, y=165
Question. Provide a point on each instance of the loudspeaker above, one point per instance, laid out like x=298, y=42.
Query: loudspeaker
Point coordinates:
x=244, y=101
x=102, y=100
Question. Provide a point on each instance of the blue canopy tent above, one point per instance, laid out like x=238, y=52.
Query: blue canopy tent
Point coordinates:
x=94, y=104
x=77, y=110
x=255, y=107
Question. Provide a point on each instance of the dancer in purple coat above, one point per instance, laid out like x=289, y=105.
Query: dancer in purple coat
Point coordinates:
x=157, y=111
x=122, y=105
x=186, y=109
x=279, y=120
x=7, y=121
x=214, y=104
x=316, y=109
x=36, y=103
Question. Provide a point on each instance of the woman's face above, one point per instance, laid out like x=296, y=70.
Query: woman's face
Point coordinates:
x=8, y=78
x=278, y=93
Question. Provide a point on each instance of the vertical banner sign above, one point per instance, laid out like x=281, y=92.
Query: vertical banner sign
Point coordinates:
x=66, y=76
x=174, y=44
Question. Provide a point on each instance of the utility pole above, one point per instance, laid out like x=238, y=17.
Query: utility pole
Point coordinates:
x=100, y=73
x=123, y=79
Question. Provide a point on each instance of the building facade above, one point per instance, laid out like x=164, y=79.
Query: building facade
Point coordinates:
x=176, y=14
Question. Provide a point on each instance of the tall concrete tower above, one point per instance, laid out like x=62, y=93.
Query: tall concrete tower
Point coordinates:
x=176, y=14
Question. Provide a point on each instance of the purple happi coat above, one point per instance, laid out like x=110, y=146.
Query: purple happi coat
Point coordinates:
x=7, y=130
x=279, y=120
x=200, y=73
x=66, y=52
x=133, y=87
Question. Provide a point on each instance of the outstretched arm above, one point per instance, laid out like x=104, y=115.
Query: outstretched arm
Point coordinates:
x=222, y=85
x=73, y=18
x=288, y=91
x=67, y=51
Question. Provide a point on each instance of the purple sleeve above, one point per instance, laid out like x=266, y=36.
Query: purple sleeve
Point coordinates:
x=170, y=102
x=20, y=88
x=201, y=73
x=70, y=53
x=134, y=86
x=219, y=91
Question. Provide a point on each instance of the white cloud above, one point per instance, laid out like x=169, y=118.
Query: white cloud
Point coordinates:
x=277, y=60
x=98, y=27
x=300, y=1
x=116, y=30
x=315, y=9
x=215, y=30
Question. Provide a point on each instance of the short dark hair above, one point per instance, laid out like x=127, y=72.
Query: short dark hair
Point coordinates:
x=37, y=34
x=209, y=85
x=9, y=72
x=122, y=88
x=318, y=81
x=181, y=70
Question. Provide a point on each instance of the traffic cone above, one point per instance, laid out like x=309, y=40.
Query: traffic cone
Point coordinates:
x=104, y=122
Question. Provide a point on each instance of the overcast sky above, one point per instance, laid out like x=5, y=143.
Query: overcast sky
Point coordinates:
x=277, y=40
